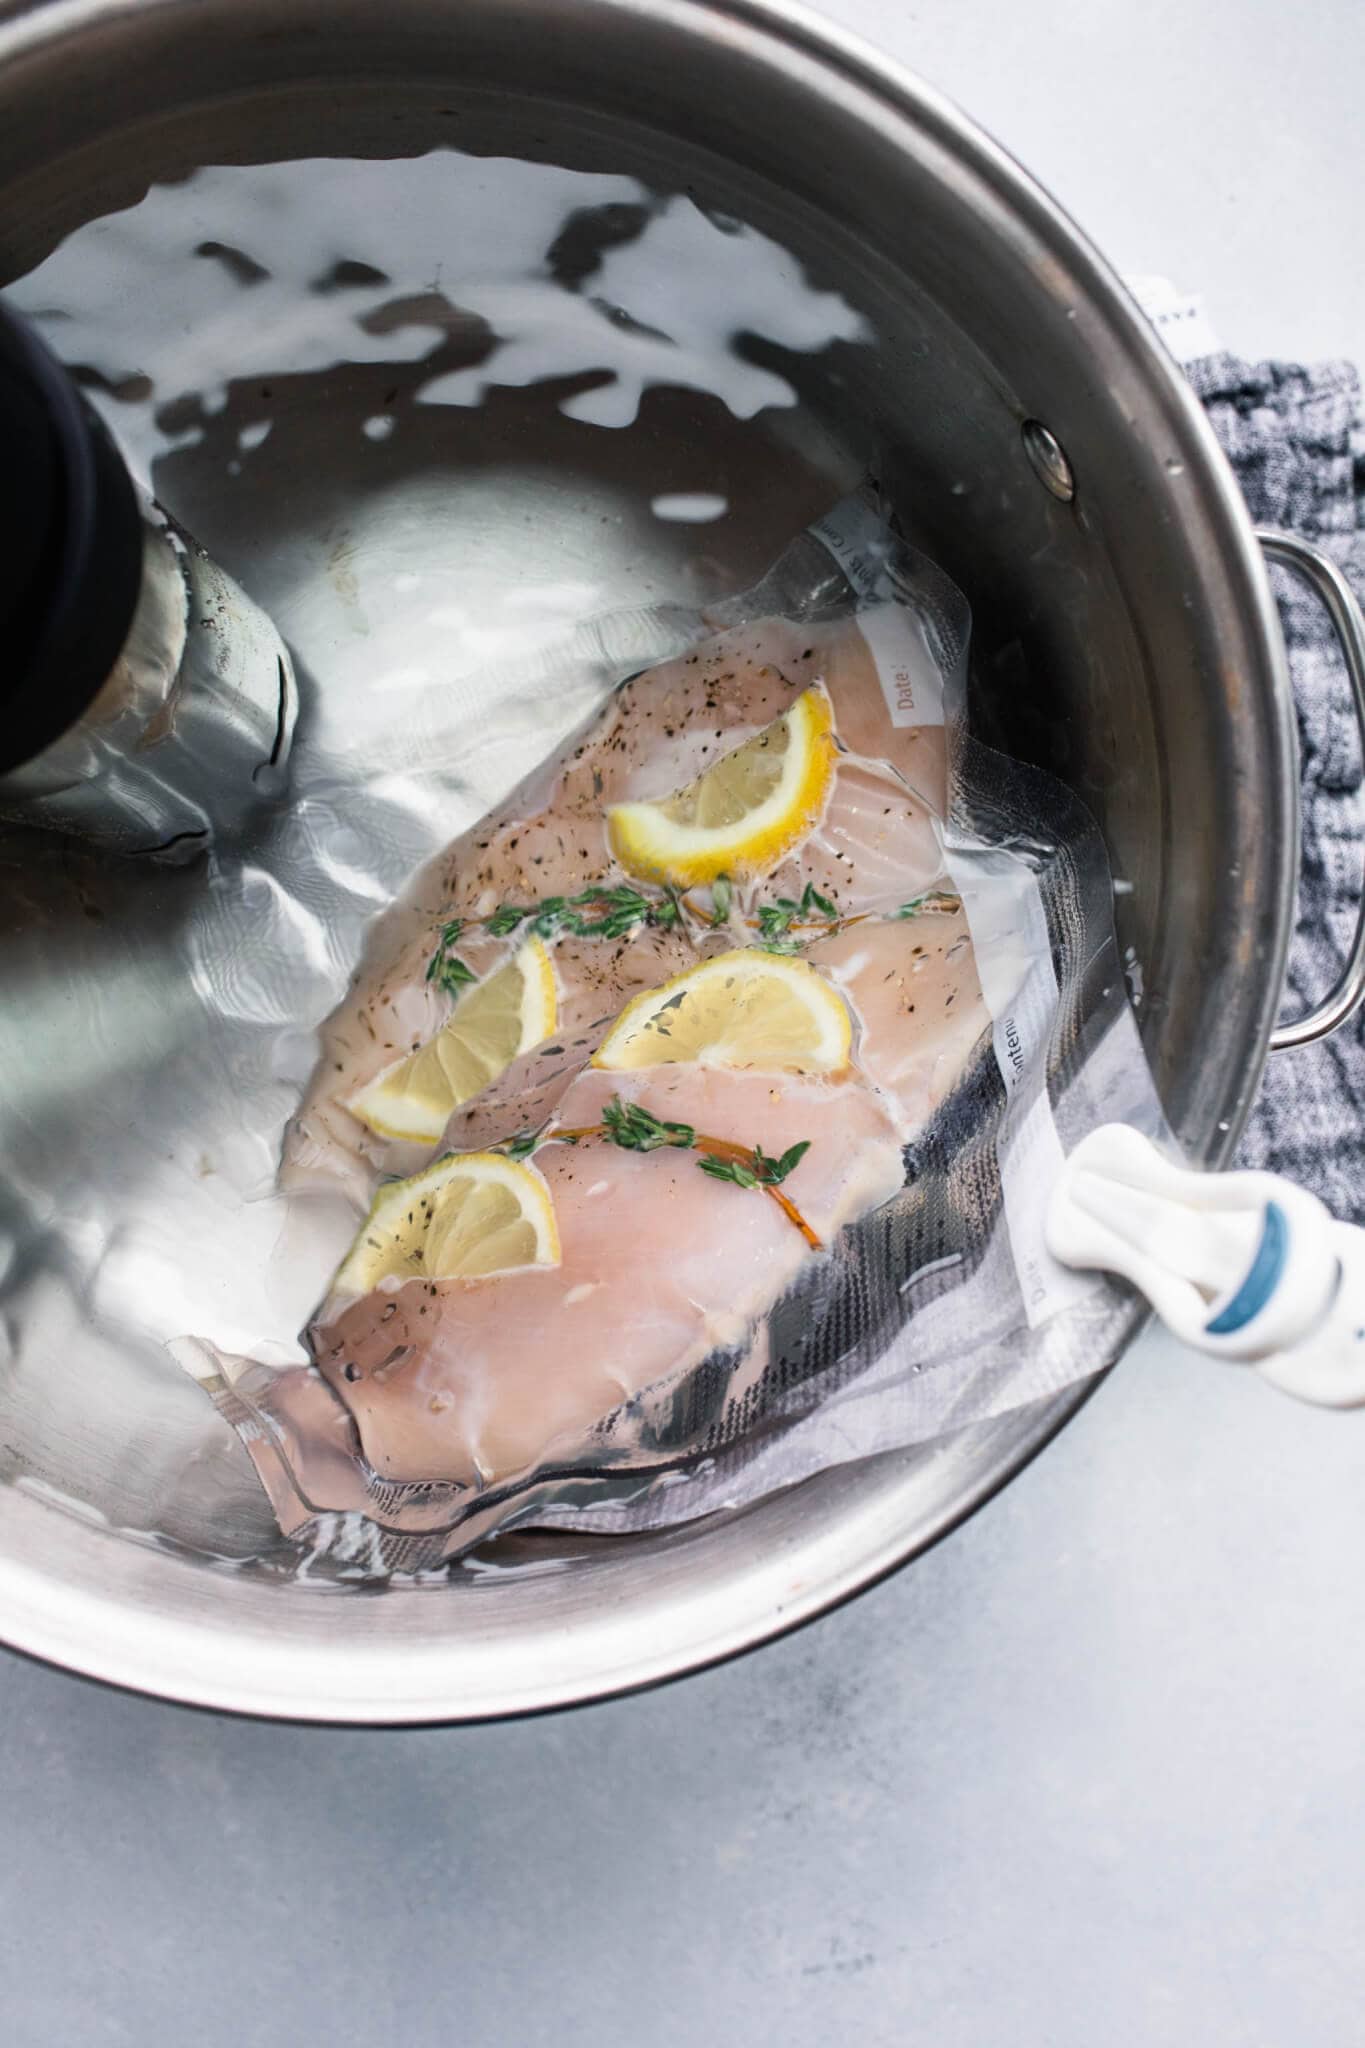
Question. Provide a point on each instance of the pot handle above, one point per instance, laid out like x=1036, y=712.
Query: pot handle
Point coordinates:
x=1339, y=601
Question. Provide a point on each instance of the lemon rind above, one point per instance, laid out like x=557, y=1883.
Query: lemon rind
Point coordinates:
x=538, y=1023
x=652, y=847
x=515, y=1174
x=836, y=1041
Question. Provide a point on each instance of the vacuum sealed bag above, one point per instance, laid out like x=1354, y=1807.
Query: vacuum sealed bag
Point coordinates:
x=702, y=1102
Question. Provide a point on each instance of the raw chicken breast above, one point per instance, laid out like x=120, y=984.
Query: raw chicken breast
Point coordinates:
x=877, y=846
x=913, y=986
x=594, y=982
x=917, y=1006
x=476, y=1382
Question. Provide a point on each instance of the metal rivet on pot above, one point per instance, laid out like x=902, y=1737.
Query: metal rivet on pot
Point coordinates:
x=1048, y=457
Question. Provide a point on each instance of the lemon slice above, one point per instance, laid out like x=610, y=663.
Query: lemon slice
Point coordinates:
x=466, y=1217
x=506, y=1014
x=745, y=814
x=742, y=1009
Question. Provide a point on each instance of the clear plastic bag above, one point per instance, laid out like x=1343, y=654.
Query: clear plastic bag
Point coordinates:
x=934, y=1305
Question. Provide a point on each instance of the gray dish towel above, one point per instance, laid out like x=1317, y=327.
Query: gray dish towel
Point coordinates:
x=1295, y=438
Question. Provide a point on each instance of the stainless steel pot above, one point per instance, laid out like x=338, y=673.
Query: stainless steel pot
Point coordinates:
x=1055, y=462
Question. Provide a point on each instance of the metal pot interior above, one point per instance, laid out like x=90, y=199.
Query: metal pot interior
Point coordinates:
x=1123, y=639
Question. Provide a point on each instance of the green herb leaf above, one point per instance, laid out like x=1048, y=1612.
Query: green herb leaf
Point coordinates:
x=601, y=912
x=722, y=896
x=772, y=1172
x=775, y=918
x=445, y=968
x=668, y=913
x=455, y=974
x=779, y=946
x=619, y=898
x=733, y=1170
x=911, y=909
x=635, y=1129
x=450, y=936
x=622, y=909
x=813, y=900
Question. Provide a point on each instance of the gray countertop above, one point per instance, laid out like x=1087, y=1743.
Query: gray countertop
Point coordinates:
x=1090, y=1772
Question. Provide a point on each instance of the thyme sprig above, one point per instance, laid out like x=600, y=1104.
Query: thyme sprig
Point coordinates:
x=939, y=900
x=763, y=1173
x=636, y=1129
x=597, y=913
x=781, y=923
x=775, y=920
x=602, y=912
x=786, y=925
